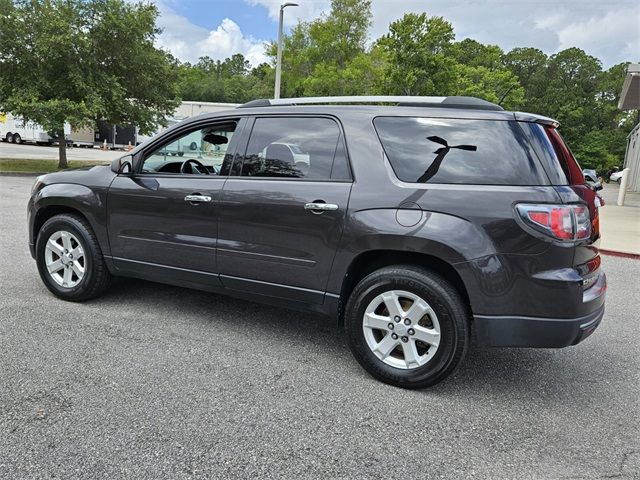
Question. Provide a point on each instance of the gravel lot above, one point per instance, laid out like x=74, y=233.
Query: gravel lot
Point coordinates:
x=153, y=382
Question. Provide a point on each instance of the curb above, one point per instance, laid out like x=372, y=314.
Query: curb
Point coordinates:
x=21, y=174
x=615, y=253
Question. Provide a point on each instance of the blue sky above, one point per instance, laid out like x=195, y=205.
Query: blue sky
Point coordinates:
x=607, y=29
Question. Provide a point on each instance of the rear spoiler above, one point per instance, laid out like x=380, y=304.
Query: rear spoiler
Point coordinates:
x=533, y=118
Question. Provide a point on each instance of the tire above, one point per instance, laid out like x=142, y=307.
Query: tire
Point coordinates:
x=8, y=138
x=95, y=277
x=448, y=315
x=17, y=139
x=619, y=181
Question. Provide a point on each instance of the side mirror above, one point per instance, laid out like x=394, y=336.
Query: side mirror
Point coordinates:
x=122, y=165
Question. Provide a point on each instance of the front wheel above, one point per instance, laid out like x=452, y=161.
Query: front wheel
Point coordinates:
x=407, y=326
x=69, y=259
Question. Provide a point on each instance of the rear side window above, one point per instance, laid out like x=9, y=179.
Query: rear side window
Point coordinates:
x=295, y=147
x=537, y=136
x=458, y=151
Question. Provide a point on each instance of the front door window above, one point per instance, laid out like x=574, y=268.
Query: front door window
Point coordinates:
x=198, y=152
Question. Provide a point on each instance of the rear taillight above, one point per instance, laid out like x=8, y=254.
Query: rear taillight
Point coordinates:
x=561, y=222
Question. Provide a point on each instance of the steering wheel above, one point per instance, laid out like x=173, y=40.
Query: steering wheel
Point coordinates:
x=200, y=168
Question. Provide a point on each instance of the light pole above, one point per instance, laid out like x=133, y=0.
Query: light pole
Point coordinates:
x=276, y=93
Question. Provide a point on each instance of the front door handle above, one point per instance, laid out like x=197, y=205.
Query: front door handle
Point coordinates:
x=194, y=198
x=319, y=206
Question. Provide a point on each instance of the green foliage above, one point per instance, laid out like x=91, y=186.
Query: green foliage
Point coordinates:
x=78, y=60
x=419, y=60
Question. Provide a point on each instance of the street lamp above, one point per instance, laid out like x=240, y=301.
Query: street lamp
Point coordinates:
x=276, y=93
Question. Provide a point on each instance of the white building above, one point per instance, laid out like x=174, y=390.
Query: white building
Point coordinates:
x=630, y=100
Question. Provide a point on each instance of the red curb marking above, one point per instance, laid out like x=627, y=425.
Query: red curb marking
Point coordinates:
x=615, y=253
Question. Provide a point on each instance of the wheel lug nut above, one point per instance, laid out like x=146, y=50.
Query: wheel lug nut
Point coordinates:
x=390, y=326
x=411, y=331
x=397, y=319
x=407, y=321
x=405, y=339
x=394, y=336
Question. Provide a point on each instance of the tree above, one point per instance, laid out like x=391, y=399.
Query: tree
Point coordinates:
x=418, y=49
x=318, y=55
x=80, y=60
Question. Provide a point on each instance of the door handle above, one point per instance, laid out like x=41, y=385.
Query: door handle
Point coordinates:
x=197, y=198
x=319, y=207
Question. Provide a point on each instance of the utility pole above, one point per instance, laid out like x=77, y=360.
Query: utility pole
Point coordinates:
x=276, y=93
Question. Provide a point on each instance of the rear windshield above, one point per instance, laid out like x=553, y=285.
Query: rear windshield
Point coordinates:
x=459, y=151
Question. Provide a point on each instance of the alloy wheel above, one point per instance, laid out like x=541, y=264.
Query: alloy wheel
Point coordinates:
x=401, y=329
x=65, y=259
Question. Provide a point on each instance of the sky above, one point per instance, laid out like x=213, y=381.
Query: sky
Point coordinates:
x=606, y=29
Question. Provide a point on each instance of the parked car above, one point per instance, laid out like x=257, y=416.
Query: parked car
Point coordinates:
x=616, y=177
x=590, y=175
x=417, y=226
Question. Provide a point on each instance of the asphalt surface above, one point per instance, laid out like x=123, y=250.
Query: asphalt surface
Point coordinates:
x=159, y=382
x=42, y=152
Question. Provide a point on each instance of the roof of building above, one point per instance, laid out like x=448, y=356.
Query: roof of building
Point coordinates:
x=630, y=96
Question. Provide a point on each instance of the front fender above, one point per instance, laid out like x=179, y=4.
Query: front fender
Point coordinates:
x=58, y=197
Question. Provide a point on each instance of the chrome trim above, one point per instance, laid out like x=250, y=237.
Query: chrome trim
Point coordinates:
x=197, y=198
x=320, y=206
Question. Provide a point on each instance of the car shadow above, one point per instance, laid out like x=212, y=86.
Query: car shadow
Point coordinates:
x=575, y=372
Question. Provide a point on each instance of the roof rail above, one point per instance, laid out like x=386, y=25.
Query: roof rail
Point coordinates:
x=412, y=101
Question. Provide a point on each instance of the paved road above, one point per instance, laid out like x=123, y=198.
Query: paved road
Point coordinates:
x=39, y=152
x=160, y=382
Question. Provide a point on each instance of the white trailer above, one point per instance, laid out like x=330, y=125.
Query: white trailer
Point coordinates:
x=16, y=130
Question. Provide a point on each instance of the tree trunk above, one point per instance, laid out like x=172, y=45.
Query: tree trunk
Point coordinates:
x=62, y=149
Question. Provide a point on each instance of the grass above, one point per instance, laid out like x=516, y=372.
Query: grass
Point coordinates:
x=42, y=166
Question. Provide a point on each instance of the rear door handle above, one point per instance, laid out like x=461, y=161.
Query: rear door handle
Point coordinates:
x=197, y=198
x=319, y=207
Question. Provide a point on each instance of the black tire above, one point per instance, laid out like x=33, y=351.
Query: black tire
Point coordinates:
x=96, y=278
x=619, y=181
x=17, y=139
x=453, y=318
x=9, y=137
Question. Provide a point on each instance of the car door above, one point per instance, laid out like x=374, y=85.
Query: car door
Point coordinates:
x=283, y=208
x=162, y=219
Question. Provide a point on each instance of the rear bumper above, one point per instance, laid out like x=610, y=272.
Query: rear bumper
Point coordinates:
x=512, y=331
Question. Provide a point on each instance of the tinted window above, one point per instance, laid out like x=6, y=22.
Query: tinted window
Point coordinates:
x=293, y=148
x=546, y=152
x=443, y=150
x=203, y=149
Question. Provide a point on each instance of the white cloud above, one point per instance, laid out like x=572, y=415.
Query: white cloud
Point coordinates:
x=188, y=42
x=607, y=29
x=306, y=9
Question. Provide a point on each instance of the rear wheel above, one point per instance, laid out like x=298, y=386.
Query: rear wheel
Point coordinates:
x=17, y=139
x=69, y=259
x=407, y=326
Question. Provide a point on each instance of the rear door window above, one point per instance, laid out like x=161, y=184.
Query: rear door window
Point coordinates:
x=295, y=147
x=459, y=151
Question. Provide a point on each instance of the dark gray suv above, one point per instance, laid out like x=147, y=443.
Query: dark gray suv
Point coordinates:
x=417, y=222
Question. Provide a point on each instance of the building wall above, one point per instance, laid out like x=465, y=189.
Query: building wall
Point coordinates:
x=632, y=159
x=190, y=109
